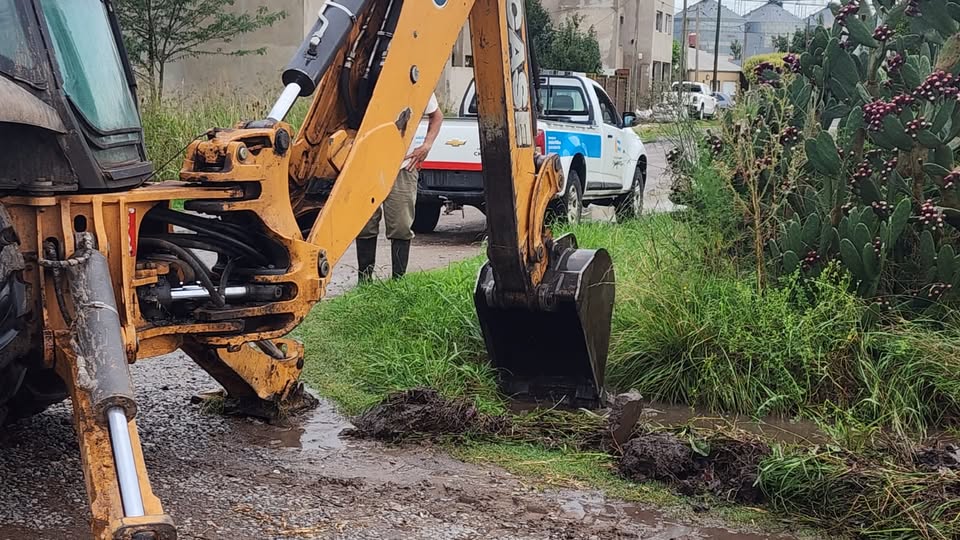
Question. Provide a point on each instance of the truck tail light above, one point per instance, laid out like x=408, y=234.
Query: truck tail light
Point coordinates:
x=541, y=142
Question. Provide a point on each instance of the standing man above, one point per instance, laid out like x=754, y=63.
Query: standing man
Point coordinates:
x=399, y=207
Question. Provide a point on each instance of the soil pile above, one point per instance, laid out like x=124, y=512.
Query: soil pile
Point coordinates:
x=423, y=413
x=727, y=468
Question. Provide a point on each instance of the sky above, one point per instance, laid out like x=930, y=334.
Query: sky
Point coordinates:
x=801, y=8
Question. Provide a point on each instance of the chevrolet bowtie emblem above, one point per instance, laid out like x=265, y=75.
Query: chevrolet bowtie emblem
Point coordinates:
x=455, y=142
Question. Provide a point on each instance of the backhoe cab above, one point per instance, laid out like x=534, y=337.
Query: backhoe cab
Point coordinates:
x=101, y=271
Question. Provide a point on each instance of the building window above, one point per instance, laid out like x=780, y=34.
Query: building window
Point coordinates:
x=659, y=21
x=667, y=27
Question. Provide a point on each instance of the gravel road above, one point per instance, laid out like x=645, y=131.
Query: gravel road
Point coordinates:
x=242, y=479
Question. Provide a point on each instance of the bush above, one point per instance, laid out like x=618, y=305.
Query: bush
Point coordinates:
x=750, y=65
x=170, y=126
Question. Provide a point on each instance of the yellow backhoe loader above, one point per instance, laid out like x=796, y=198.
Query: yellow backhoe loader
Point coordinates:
x=99, y=271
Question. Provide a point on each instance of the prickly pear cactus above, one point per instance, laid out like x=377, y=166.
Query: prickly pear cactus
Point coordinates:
x=863, y=125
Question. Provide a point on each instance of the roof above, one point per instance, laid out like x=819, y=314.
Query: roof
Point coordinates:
x=706, y=62
x=708, y=13
x=773, y=12
x=825, y=14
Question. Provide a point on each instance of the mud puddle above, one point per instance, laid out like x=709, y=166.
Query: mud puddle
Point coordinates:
x=319, y=430
x=772, y=428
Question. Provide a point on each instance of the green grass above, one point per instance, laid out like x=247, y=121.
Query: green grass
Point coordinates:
x=660, y=131
x=687, y=328
x=171, y=125
x=395, y=335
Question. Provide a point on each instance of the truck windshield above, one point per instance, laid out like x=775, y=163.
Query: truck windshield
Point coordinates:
x=689, y=88
x=90, y=64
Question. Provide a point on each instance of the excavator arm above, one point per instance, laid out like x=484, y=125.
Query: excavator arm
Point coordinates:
x=104, y=276
x=544, y=306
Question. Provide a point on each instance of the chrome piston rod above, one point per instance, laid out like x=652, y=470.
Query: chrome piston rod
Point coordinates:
x=285, y=102
x=125, y=464
x=196, y=292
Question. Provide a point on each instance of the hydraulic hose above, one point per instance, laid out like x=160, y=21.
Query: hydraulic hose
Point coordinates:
x=205, y=243
x=197, y=225
x=379, y=56
x=203, y=274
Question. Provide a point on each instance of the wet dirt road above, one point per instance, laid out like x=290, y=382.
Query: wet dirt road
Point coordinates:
x=241, y=479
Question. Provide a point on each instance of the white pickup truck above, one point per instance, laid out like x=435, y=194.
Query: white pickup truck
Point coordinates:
x=698, y=99
x=603, y=160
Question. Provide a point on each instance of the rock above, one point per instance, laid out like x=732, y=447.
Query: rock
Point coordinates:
x=573, y=510
x=624, y=414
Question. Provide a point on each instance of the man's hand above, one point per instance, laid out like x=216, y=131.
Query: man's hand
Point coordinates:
x=417, y=157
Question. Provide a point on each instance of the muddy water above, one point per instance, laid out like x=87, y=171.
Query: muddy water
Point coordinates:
x=316, y=432
x=771, y=428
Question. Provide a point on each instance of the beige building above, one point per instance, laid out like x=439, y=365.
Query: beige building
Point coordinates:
x=255, y=75
x=258, y=76
x=700, y=69
x=633, y=34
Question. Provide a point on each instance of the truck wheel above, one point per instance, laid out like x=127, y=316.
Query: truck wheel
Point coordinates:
x=569, y=207
x=630, y=204
x=427, y=216
x=700, y=114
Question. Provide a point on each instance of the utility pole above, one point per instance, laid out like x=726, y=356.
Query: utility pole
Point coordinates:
x=716, y=48
x=743, y=51
x=684, y=46
x=696, y=52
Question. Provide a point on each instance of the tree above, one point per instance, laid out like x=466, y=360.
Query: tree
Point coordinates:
x=157, y=32
x=781, y=43
x=675, y=60
x=567, y=48
x=795, y=43
x=573, y=49
x=540, y=28
x=736, y=50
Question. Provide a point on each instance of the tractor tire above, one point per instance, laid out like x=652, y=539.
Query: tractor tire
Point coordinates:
x=426, y=217
x=26, y=387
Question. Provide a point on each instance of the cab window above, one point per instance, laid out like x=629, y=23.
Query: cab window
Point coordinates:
x=608, y=110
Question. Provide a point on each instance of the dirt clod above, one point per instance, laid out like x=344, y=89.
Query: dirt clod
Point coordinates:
x=729, y=470
x=937, y=458
x=421, y=412
x=657, y=456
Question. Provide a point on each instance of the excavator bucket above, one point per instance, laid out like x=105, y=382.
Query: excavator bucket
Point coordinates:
x=556, y=351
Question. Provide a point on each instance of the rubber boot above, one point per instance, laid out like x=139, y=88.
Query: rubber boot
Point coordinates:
x=366, y=259
x=400, y=252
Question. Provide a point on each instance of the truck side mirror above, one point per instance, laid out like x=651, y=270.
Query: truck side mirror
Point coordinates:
x=629, y=120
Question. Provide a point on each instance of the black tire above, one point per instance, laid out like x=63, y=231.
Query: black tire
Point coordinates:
x=26, y=386
x=630, y=204
x=427, y=216
x=569, y=207
x=700, y=114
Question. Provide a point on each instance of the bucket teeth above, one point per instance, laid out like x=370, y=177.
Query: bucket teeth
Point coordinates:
x=556, y=351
